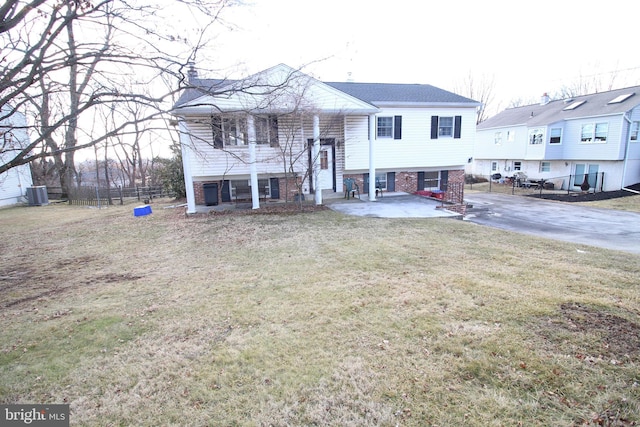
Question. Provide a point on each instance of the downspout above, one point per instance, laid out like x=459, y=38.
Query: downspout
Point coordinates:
x=626, y=151
x=372, y=163
x=186, y=168
x=253, y=167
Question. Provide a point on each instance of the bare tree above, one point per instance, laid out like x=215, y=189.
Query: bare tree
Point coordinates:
x=62, y=81
x=479, y=89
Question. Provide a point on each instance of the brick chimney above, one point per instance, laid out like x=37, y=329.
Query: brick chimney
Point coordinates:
x=544, y=99
x=192, y=73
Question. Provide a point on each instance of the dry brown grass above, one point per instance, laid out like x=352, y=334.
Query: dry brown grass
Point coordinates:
x=312, y=319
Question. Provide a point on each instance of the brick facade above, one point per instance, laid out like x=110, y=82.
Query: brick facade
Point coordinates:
x=407, y=182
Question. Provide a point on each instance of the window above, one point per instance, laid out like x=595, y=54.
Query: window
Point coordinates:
x=517, y=166
x=234, y=130
x=511, y=136
x=574, y=105
x=545, y=166
x=555, y=136
x=267, y=130
x=494, y=166
x=385, y=127
x=228, y=131
x=381, y=181
x=497, y=139
x=446, y=127
x=389, y=127
x=324, y=159
x=536, y=136
x=432, y=180
x=635, y=129
x=602, y=129
x=594, y=132
x=621, y=98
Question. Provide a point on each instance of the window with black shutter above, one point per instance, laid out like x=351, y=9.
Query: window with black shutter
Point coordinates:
x=397, y=127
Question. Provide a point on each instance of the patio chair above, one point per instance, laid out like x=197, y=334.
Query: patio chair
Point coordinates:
x=378, y=188
x=351, y=188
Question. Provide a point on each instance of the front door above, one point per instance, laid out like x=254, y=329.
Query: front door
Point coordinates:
x=326, y=175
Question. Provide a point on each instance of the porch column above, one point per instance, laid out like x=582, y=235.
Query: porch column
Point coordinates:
x=253, y=168
x=372, y=163
x=186, y=167
x=316, y=159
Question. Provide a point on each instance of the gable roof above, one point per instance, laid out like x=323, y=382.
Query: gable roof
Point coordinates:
x=592, y=105
x=276, y=89
x=373, y=94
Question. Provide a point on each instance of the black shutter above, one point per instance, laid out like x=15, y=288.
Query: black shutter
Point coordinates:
x=391, y=181
x=456, y=126
x=216, y=130
x=397, y=127
x=434, y=127
x=420, y=181
x=444, y=180
x=273, y=132
x=274, y=183
x=226, y=191
x=365, y=182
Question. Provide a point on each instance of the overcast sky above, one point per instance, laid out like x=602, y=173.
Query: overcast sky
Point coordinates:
x=528, y=48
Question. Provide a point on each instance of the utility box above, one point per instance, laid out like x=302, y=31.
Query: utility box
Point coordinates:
x=210, y=193
x=37, y=195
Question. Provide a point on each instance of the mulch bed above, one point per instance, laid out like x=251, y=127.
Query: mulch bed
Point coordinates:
x=589, y=197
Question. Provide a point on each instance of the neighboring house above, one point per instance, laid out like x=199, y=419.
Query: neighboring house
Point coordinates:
x=13, y=135
x=281, y=134
x=592, y=138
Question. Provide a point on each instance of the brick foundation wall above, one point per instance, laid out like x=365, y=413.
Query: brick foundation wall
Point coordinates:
x=198, y=191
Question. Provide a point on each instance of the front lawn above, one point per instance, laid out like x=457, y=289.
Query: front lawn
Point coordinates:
x=313, y=318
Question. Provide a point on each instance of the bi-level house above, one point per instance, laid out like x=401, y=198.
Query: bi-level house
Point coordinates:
x=281, y=134
x=592, y=138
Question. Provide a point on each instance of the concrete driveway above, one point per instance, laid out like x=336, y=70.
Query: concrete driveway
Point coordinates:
x=604, y=228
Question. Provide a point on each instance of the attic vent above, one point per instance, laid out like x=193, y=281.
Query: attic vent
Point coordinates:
x=621, y=98
x=574, y=105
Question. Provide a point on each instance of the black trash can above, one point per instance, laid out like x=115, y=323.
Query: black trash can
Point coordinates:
x=210, y=193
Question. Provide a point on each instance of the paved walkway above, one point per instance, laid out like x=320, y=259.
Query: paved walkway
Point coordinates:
x=391, y=205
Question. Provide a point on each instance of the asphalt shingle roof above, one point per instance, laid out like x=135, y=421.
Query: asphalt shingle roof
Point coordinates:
x=395, y=92
x=368, y=92
x=596, y=104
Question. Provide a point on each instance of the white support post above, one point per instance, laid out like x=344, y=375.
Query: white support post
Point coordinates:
x=372, y=163
x=186, y=166
x=253, y=167
x=316, y=159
